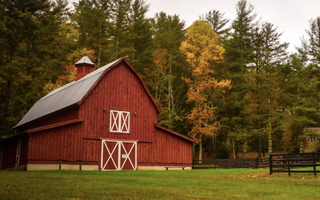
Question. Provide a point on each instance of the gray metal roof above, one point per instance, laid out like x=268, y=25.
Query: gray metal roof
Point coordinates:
x=64, y=96
x=85, y=60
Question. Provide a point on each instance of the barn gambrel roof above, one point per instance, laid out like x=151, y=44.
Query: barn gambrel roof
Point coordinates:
x=72, y=93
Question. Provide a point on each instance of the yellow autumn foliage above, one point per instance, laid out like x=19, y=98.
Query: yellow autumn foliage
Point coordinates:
x=202, y=48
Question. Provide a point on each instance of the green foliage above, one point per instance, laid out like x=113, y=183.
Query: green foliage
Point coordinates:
x=222, y=151
x=29, y=35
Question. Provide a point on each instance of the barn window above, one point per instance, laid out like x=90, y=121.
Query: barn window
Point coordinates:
x=119, y=121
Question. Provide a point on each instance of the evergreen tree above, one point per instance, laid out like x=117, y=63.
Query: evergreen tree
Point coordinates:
x=239, y=59
x=168, y=35
x=299, y=100
x=92, y=19
x=311, y=46
x=27, y=56
x=216, y=19
x=141, y=37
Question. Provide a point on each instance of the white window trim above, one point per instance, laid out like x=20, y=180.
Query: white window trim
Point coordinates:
x=119, y=121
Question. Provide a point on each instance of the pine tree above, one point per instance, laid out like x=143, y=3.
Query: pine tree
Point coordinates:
x=310, y=47
x=216, y=19
x=141, y=37
x=27, y=54
x=168, y=35
x=239, y=58
x=299, y=100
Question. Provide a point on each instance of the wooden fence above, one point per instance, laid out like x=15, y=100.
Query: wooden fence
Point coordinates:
x=294, y=163
x=230, y=163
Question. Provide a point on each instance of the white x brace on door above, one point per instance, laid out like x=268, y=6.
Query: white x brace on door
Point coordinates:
x=115, y=155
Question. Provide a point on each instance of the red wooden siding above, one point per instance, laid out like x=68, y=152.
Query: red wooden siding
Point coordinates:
x=120, y=90
x=172, y=150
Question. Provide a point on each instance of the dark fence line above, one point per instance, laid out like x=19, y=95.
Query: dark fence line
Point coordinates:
x=80, y=163
x=293, y=162
x=230, y=163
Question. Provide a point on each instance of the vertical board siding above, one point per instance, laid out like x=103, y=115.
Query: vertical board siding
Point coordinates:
x=118, y=89
x=54, y=144
x=172, y=150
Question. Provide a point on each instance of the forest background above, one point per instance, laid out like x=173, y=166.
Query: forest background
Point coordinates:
x=228, y=83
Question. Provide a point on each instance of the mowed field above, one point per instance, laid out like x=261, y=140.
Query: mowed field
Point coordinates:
x=195, y=184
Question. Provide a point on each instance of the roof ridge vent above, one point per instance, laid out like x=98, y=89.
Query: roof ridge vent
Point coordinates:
x=84, y=66
x=85, y=60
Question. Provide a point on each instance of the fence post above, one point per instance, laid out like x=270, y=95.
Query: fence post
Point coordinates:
x=59, y=164
x=257, y=163
x=314, y=164
x=288, y=164
x=80, y=166
x=270, y=162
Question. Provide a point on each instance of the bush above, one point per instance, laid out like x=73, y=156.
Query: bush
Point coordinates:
x=222, y=151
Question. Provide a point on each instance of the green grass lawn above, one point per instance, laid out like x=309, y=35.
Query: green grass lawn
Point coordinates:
x=195, y=184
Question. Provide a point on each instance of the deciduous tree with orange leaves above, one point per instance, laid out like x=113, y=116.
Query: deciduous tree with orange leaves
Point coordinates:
x=202, y=50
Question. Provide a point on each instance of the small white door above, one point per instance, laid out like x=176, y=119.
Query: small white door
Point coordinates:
x=118, y=155
x=18, y=153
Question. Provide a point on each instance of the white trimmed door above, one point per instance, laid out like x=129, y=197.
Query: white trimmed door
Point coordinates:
x=118, y=155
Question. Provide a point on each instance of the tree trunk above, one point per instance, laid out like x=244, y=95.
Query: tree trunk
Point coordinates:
x=269, y=137
x=269, y=121
x=200, y=150
x=234, y=149
x=259, y=147
x=301, y=146
x=99, y=45
x=245, y=148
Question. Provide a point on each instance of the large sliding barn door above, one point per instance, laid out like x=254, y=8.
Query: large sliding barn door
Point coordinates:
x=118, y=155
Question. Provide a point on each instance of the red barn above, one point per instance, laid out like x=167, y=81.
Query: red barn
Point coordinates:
x=106, y=118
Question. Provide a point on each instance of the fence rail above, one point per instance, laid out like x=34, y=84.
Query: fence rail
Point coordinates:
x=230, y=163
x=294, y=162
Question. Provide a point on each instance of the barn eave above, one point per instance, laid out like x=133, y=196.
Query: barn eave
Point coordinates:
x=175, y=133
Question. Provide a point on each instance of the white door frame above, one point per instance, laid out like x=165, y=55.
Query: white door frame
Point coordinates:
x=18, y=153
x=119, y=147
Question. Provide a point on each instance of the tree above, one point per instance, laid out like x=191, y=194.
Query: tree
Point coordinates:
x=299, y=100
x=239, y=58
x=201, y=49
x=27, y=54
x=92, y=19
x=216, y=19
x=141, y=36
x=168, y=35
x=310, y=47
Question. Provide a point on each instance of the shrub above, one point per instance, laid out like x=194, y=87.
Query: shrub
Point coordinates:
x=222, y=151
